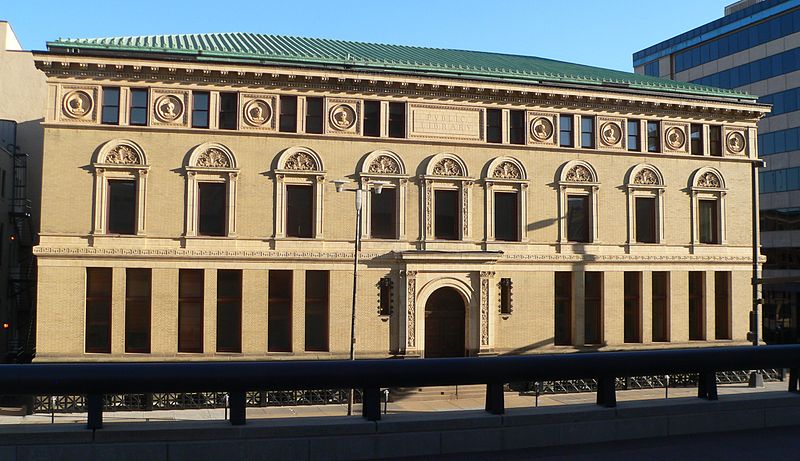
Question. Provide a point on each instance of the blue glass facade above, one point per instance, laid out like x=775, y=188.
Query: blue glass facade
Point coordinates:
x=771, y=66
x=776, y=142
x=652, y=69
x=783, y=102
x=779, y=180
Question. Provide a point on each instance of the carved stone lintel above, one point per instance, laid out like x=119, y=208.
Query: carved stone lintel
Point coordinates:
x=122, y=155
x=579, y=173
x=213, y=158
x=507, y=170
x=383, y=164
x=708, y=179
x=646, y=177
x=300, y=161
x=447, y=167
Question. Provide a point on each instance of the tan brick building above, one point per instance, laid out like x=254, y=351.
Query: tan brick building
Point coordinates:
x=527, y=205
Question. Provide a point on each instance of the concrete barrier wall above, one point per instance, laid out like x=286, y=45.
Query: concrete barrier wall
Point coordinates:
x=397, y=435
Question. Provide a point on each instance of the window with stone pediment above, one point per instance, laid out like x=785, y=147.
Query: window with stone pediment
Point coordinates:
x=384, y=213
x=211, y=180
x=299, y=180
x=120, y=170
x=578, y=205
x=506, y=183
x=645, y=189
x=708, y=192
x=447, y=199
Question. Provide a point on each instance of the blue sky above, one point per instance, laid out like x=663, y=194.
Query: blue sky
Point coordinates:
x=593, y=32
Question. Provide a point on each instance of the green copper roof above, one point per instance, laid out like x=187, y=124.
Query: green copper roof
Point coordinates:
x=316, y=52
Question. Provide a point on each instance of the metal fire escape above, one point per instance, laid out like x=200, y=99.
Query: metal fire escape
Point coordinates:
x=21, y=269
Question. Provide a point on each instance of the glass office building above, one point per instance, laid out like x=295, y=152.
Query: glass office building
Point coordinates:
x=755, y=47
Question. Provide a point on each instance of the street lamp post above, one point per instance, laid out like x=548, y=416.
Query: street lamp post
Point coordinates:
x=378, y=186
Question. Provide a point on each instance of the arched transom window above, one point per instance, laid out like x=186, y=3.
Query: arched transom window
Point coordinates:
x=120, y=171
x=578, y=203
x=299, y=179
x=708, y=207
x=211, y=177
x=645, y=190
x=506, y=184
x=384, y=213
x=447, y=199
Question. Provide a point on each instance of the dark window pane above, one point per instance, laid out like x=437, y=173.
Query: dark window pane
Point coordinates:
x=317, y=289
x=563, y=308
x=506, y=296
x=211, y=198
x=715, y=140
x=446, y=214
x=299, y=211
x=229, y=311
x=646, y=220
x=653, y=137
x=697, y=306
x=383, y=206
x=565, y=130
x=288, y=118
x=722, y=305
x=385, y=301
x=228, y=110
x=494, y=125
x=709, y=221
x=633, y=307
x=587, y=132
x=660, y=294
x=593, y=308
x=279, y=314
x=190, y=310
x=314, y=115
x=138, y=115
x=697, y=139
x=633, y=135
x=98, y=310
x=121, y=207
x=578, y=218
x=397, y=120
x=137, y=310
x=506, y=216
x=516, y=122
x=372, y=118
x=199, y=109
x=110, y=112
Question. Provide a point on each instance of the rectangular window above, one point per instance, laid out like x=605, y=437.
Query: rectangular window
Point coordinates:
x=633, y=136
x=383, y=214
x=660, y=293
x=697, y=139
x=314, y=115
x=633, y=307
x=98, y=310
x=715, y=141
x=229, y=311
x=593, y=308
x=228, y=110
x=317, y=289
x=646, y=220
x=506, y=217
x=578, y=218
x=372, y=118
x=563, y=308
x=211, y=198
x=385, y=307
x=722, y=305
x=446, y=216
x=565, y=131
x=708, y=221
x=506, y=290
x=697, y=308
x=653, y=137
x=138, y=115
x=110, y=112
x=137, y=310
x=494, y=125
x=200, y=108
x=587, y=132
x=279, y=314
x=288, y=117
x=516, y=123
x=397, y=120
x=299, y=211
x=190, y=310
x=121, y=206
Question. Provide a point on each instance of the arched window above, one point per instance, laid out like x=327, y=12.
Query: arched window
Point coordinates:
x=447, y=199
x=384, y=213
x=211, y=177
x=299, y=179
x=506, y=200
x=578, y=186
x=120, y=186
x=708, y=207
x=645, y=189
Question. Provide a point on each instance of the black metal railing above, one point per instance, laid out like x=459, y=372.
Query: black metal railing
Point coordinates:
x=96, y=380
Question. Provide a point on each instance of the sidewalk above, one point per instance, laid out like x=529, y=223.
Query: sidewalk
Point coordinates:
x=512, y=400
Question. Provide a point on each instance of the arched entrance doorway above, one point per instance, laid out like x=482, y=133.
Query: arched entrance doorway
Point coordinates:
x=444, y=324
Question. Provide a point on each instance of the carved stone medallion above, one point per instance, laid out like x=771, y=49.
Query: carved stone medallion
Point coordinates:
x=300, y=161
x=343, y=117
x=541, y=129
x=735, y=142
x=257, y=112
x=675, y=138
x=507, y=170
x=579, y=173
x=447, y=167
x=646, y=177
x=168, y=108
x=610, y=134
x=213, y=158
x=122, y=155
x=708, y=179
x=77, y=104
x=383, y=164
